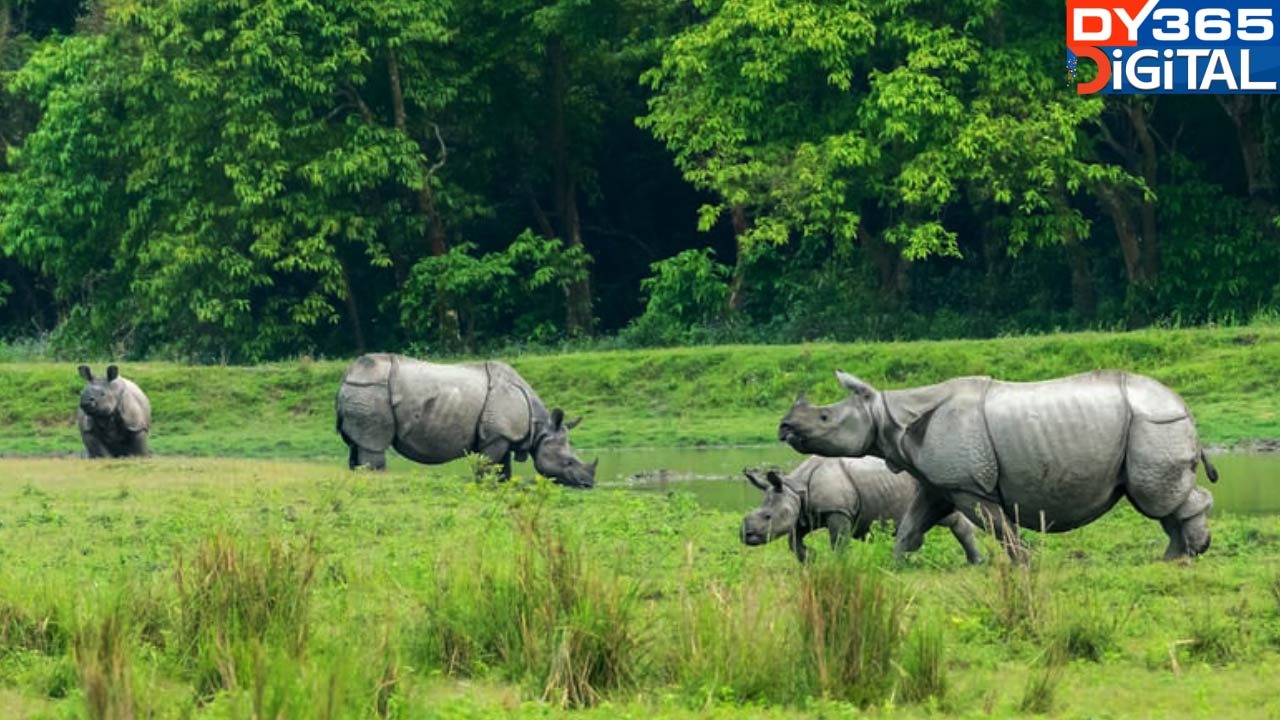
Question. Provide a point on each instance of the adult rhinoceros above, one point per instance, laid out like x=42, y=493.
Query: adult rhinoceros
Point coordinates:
x=435, y=413
x=1051, y=455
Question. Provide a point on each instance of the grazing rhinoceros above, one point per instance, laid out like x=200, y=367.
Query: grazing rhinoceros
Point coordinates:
x=114, y=415
x=1051, y=455
x=436, y=413
x=844, y=495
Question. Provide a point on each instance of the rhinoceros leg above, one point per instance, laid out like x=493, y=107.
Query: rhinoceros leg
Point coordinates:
x=840, y=529
x=966, y=534
x=372, y=459
x=796, y=541
x=138, y=444
x=93, y=447
x=928, y=507
x=498, y=451
x=991, y=516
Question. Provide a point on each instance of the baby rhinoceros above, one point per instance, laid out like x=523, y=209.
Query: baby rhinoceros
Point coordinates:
x=114, y=415
x=844, y=495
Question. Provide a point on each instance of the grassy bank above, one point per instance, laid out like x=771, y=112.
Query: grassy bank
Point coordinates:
x=216, y=588
x=691, y=396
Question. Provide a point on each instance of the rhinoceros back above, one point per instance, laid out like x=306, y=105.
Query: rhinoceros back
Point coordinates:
x=883, y=494
x=437, y=408
x=1059, y=445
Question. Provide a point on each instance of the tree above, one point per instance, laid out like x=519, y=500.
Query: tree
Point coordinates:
x=866, y=122
x=237, y=158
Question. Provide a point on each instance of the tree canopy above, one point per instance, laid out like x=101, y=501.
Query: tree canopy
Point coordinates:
x=216, y=179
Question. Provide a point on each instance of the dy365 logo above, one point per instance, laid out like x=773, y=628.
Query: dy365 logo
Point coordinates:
x=1174, y=46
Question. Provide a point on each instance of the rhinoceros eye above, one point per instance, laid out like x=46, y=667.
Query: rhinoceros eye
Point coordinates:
x=824, y=417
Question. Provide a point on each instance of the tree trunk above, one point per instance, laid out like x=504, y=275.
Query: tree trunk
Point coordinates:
x=1248, y=115
x=890, y=266
x=579, y=319
x=1083, y=298
x=446, y=318
x=1149, y=162
x=737, y=294
x=1117, y=206
x=353, y=309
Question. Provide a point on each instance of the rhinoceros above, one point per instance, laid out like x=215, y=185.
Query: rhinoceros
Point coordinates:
x=1052, y=455
x=433, y=413
x=114, y=415
x=845, y=495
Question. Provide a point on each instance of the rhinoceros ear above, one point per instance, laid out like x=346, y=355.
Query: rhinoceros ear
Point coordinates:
x=574, y=424
x=85, y=373
x=557, y=418
x=113, y=372
x=775, y=480
x=855, y=386
x=755, y=478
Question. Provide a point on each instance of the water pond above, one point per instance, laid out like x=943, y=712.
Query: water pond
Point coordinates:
x=1249, y=483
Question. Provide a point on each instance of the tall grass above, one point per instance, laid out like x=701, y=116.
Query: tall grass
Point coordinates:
x=43, y=631
x=106, y=675
x=1041, y=689
x=537, y=611
x=852, y=627
x=738, y=642
x=231, y=599
x=924, y=672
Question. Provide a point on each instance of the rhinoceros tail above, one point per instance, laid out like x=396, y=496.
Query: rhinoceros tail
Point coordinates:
x=1209, y=469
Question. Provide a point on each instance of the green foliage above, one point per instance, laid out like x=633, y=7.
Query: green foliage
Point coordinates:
x=684, y=292
x=868, y=120
x=525, y=281
x=193, y=180
x=222, y=182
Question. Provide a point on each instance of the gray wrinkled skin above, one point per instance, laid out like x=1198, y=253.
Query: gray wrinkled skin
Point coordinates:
x=433, y=413
x=1050, y=456
x=114, y=416
x=844, y=495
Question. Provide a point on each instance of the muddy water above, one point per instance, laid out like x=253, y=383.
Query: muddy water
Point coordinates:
x=1249, y=483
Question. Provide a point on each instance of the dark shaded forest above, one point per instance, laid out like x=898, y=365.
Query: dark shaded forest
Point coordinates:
x=221, y=180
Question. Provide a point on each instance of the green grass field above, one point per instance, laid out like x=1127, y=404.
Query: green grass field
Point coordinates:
x=217, y=588
x=273, y=583
x=690, y=396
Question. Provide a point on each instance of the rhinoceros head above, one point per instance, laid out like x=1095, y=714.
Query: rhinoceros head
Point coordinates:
x=554, y=458
x=777, y=514
x=98, y=399
x=842, y=429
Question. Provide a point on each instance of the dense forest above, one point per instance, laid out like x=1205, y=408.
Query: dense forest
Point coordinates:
x=244, y=180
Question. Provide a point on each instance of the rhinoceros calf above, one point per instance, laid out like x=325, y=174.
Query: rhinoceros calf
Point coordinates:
x=114, y=415
x=433, y=413
x=1051, y=455
x=846, y=496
